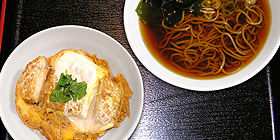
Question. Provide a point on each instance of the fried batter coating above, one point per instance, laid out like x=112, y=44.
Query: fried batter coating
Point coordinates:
x=38, y=112
x=31, y=83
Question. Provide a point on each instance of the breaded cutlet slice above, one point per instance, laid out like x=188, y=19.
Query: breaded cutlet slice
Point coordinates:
x=29, y=89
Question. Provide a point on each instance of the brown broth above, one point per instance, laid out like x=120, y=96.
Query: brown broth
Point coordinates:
x=152, y=37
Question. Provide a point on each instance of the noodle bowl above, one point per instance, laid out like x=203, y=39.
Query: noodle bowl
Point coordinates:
x=216, y=42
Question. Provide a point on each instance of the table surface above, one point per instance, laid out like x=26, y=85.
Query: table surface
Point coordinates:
x=245, y=111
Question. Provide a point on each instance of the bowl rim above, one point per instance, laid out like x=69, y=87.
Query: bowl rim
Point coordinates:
x=119, y=46
x=131, y=24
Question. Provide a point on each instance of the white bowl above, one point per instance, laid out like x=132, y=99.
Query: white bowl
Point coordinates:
x=131, y=23
x=49, y=42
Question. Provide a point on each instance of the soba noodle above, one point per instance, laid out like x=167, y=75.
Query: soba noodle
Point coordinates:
x=213, y=43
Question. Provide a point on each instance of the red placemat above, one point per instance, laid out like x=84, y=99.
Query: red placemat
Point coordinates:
x=3, y=10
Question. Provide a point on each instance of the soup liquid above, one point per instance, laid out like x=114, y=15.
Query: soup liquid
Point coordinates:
x=153, y=36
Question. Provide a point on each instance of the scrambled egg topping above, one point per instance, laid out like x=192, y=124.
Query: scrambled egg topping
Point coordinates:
x=103, y=107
